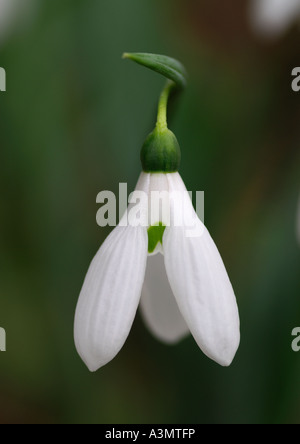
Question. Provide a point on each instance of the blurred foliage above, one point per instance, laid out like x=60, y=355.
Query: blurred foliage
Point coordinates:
x=72, y=123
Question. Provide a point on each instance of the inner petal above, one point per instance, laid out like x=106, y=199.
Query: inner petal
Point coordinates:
x=158, y=305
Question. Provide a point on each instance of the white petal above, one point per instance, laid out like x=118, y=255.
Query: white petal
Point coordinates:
x=158, y=182
x=202, y=289
x=110, y=296
x=272, y=17
x=143, y=182
x=158, y=199
x=158, y=305
x=138, y=204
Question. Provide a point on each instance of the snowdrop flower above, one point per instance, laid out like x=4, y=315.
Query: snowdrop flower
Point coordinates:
x=179, y=279
x=273, y=17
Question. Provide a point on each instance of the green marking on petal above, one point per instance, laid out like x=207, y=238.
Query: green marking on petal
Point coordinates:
x=155, y=235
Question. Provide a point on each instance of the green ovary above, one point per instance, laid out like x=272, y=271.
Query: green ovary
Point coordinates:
x=155, y=236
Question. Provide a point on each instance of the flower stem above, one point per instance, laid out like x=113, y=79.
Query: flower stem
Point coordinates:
x=162, y=124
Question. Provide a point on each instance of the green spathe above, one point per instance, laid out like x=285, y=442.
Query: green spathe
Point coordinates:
x=167, y=66
x=155, y=236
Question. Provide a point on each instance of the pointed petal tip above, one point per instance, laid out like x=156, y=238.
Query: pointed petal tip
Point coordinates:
x=89, y=358
x=93, y=359
x=225, y=361
x=93, y=368
x=226, y=355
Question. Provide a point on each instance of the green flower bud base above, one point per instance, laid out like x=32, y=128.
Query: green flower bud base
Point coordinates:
x=161, y=152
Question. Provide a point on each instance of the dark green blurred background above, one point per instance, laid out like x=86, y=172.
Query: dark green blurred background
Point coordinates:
x=72, y=123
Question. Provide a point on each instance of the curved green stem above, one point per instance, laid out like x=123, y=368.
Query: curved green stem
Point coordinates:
x=162, y=123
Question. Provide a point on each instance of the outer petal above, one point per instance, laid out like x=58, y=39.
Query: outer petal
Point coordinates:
x=158, y=304
x=110, y=296
x=202, y=289
x=272, y=17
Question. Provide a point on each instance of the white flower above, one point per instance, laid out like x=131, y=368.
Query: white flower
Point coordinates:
x=273, y=17
x=184, y=289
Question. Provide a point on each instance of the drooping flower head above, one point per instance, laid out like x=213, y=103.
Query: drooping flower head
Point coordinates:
x=161, y=256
